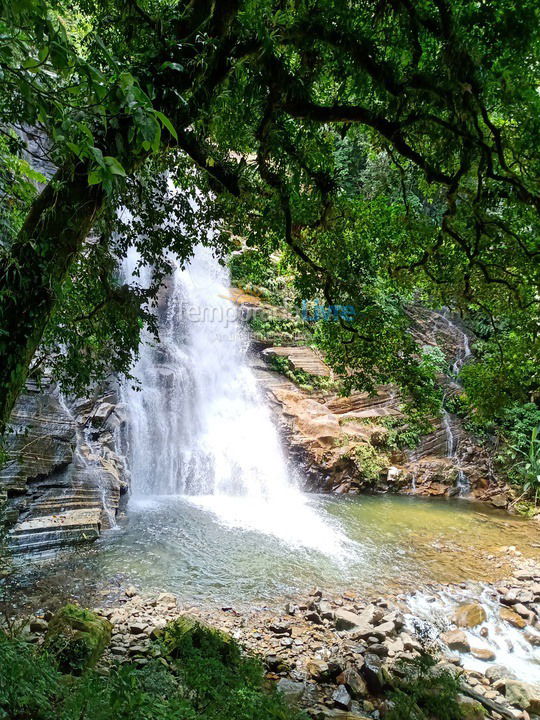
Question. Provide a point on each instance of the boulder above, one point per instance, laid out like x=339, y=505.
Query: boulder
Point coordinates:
x=456, y=640
x=512, y=617
x=346, y=620
x=354, y=683
x=292, y=691
x=373, y=673
x=522, y=695
x=469, y=615
x=341, y=698
x=496, y=672
x=317, y=669
x=470, y=709
x=77, y=638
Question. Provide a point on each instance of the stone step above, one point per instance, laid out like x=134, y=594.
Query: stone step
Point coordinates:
x=303, y=358
x=59, y=508
x=40, y=542
x=69, y=520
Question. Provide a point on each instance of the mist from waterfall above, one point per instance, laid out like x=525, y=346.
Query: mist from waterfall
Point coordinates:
x=199, y=426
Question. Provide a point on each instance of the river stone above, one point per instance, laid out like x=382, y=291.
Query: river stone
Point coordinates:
x=77, y=638
x=512, y=617
x=292, y=691
x=470, y=709
x=522, y=695
x=483, y=654
x=496, y=672
x=342, y=698
x=279, y=628
x=531, y=637
x=469, y=615
x=456, y=640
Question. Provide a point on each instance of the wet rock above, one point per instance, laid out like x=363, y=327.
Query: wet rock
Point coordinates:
x=499, y=500
x=512, y=617
x=533, y=638
x=469, y=615
x=314, y=618
x=341, y=697
x=523, y=611
x=456, y=640
x=291, y=690
x=483, y=654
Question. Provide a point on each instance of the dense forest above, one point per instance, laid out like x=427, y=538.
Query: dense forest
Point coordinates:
x=358, y=170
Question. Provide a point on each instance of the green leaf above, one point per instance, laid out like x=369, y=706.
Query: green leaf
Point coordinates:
x=167, y=124
x=114, y=166
x=94, y=177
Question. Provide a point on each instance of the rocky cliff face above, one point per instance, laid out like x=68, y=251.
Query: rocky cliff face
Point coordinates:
x=63, y=478
x=343, y=441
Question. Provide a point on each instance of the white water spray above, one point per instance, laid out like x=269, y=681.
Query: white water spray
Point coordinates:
x=199, y=426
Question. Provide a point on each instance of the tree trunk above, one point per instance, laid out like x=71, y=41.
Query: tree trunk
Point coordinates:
x=32, y=272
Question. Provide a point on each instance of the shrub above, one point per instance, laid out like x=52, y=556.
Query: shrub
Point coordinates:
x=202, y=673
x=424, y=691
x=369, y=462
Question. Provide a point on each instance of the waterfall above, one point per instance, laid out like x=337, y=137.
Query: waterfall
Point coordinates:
x=452, y=441
x=199, y=426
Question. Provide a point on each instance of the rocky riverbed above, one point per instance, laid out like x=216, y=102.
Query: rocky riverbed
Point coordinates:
x=336, y=655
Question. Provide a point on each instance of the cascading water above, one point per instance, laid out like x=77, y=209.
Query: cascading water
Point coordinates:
x=452, y=440
x=199, y=426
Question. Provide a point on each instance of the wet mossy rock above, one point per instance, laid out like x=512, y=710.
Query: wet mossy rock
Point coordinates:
x=77, y=638
x=186, y=633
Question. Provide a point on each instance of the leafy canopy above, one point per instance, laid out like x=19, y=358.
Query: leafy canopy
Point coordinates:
x=390, y=149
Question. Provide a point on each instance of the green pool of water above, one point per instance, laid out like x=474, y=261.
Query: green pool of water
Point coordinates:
x=376, y=544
